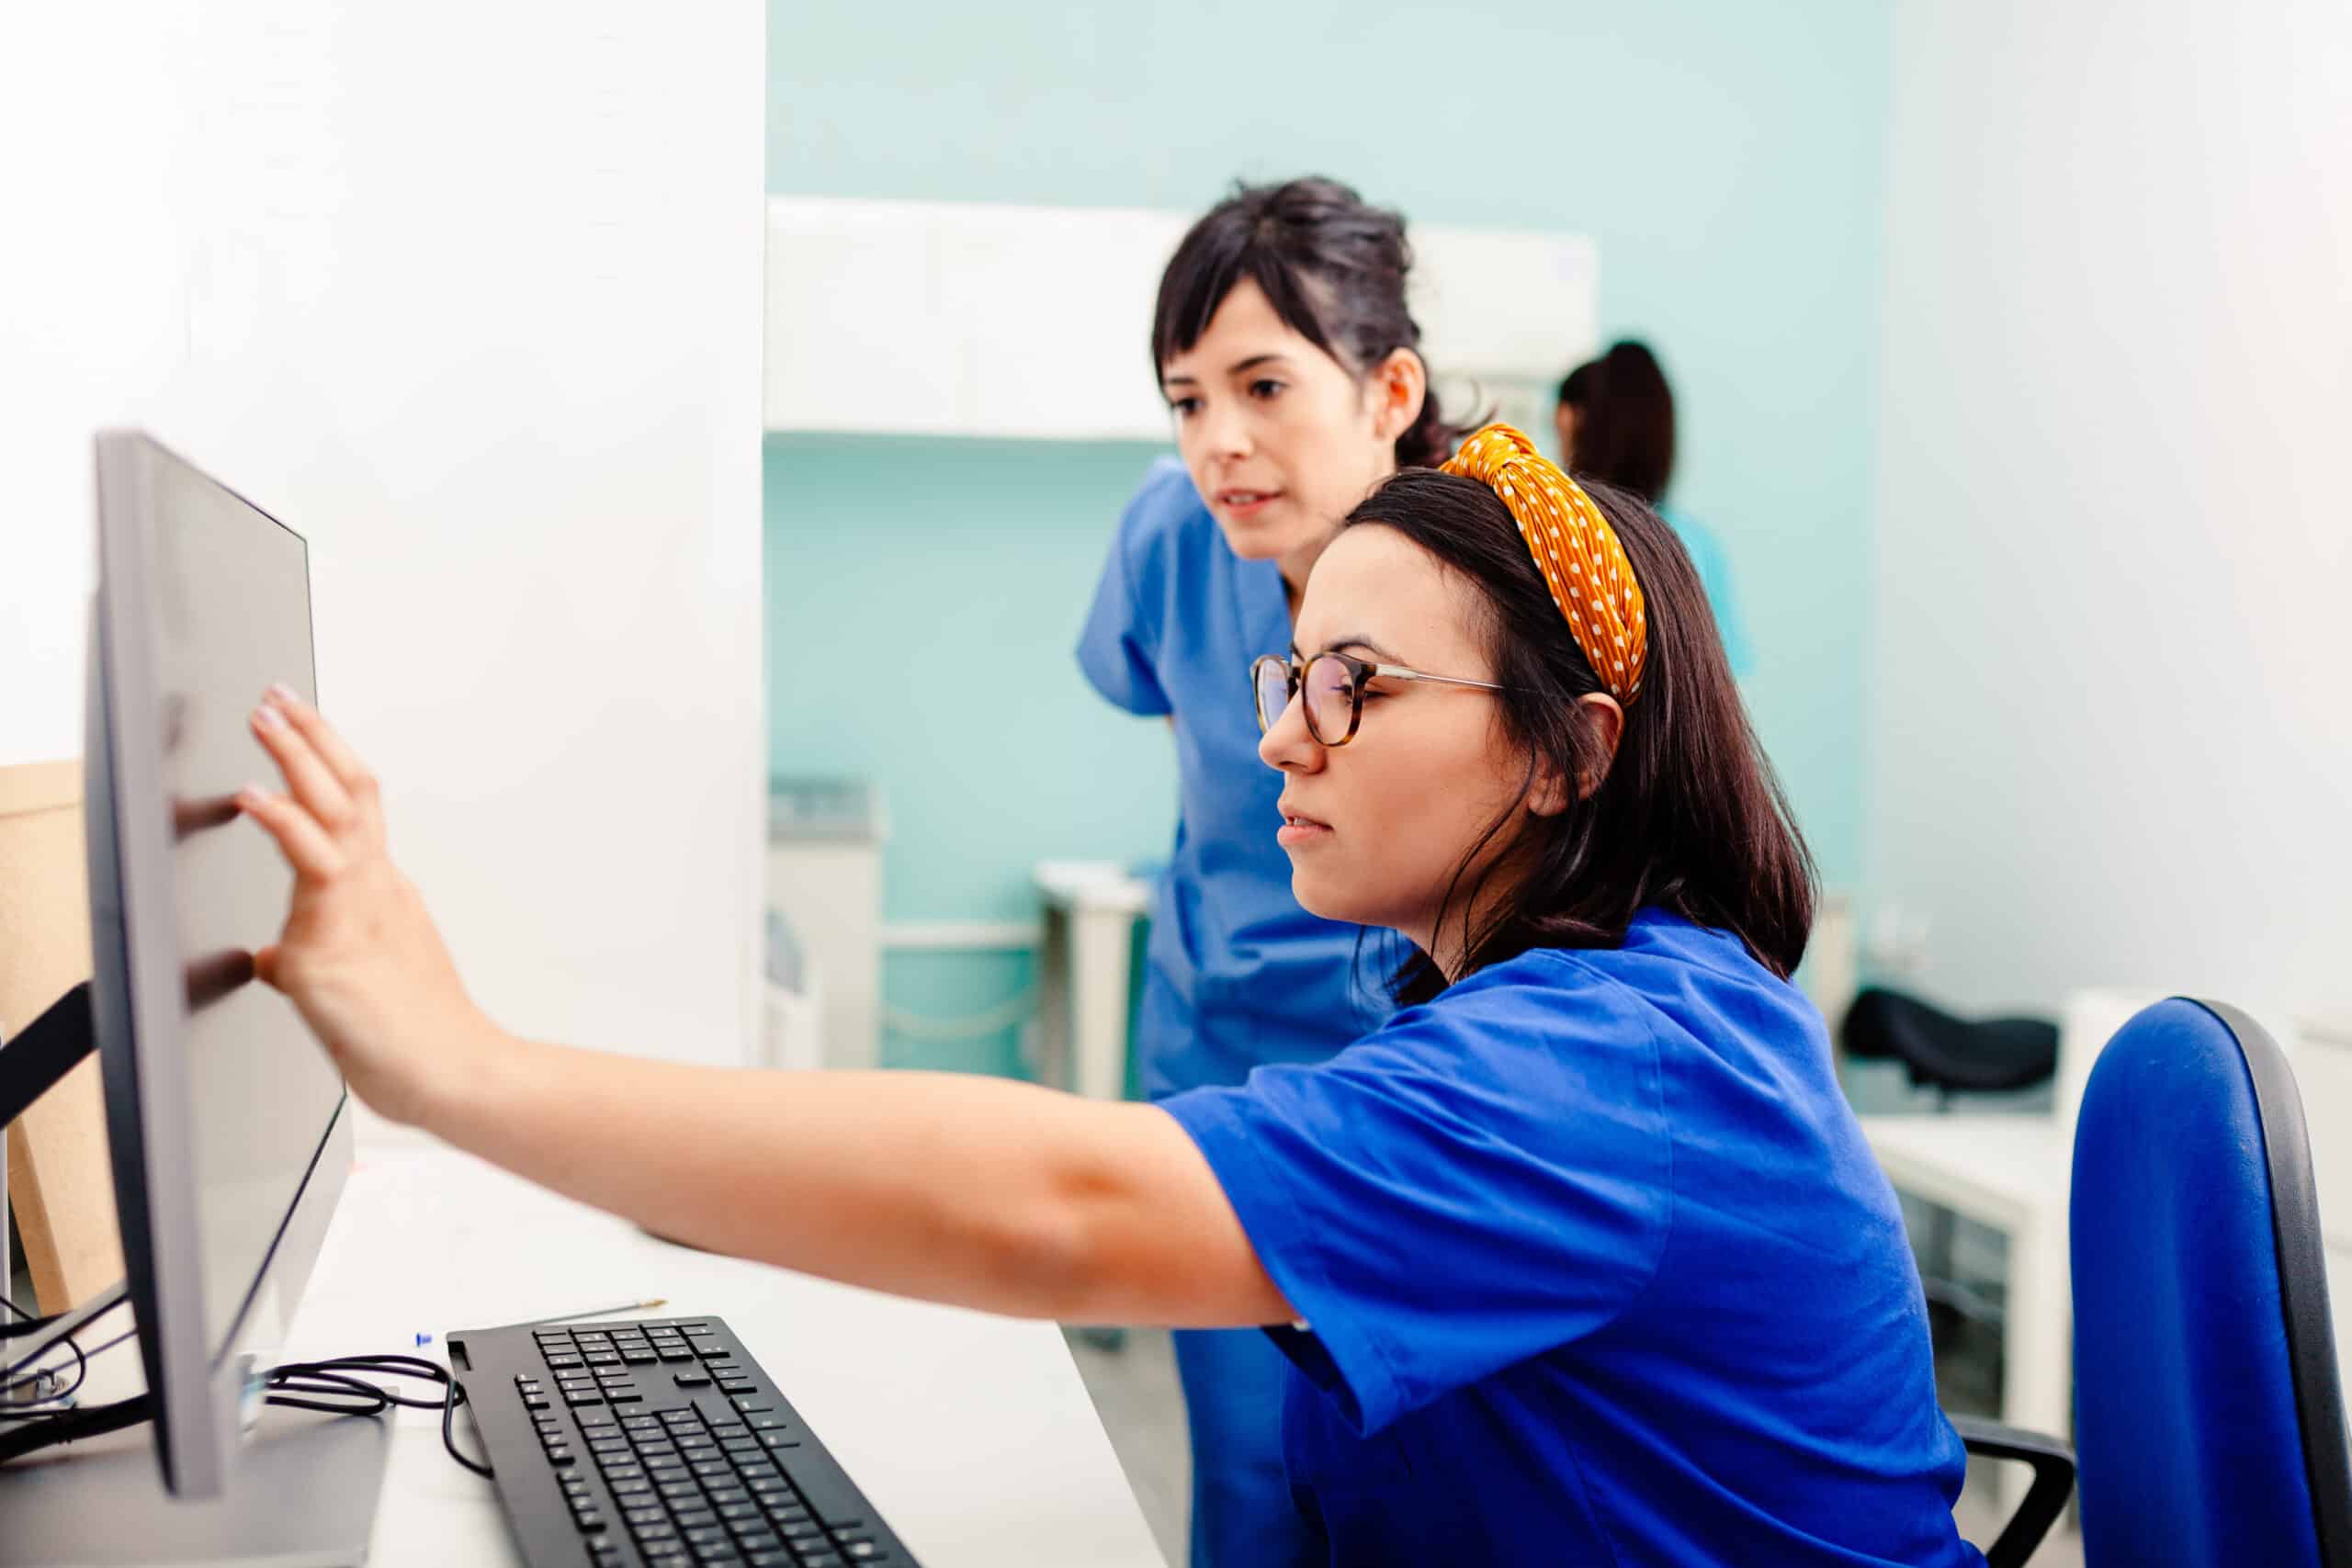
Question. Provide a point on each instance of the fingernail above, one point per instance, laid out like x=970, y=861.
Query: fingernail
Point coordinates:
x=249, y=795
x=280, y=692
x=268, y=717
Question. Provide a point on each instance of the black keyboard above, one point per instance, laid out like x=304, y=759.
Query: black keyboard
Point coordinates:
x=657, y=1443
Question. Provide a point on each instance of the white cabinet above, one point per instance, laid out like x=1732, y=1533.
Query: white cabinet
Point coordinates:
x=958, y=319
x=824, y=871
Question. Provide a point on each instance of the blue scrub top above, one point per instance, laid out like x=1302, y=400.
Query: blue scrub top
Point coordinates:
x=1593, y=1266
x=1237, y=972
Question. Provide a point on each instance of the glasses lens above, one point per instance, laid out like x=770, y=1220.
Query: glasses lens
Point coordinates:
x=1271, y=676
x=1331, y=699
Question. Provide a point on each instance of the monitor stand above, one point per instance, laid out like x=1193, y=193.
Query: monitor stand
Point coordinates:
x=301, y=1494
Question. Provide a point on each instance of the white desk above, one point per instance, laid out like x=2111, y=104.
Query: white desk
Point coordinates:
x=2011, y=1172
x=972, y=1435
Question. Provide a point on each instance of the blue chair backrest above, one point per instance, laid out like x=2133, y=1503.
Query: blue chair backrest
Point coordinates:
x=2209, y=1418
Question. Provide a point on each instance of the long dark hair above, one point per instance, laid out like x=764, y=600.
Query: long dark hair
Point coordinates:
x=1332, y=266
x=1689, y=816
x=1625, y=420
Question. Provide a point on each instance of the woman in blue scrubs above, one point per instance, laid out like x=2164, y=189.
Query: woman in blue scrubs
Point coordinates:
x=1292, y=367
x=1578, y=1257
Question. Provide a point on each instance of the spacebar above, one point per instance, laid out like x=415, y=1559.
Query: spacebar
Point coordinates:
x=823, y=1488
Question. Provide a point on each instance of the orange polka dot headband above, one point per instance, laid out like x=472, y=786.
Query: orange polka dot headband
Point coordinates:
x=1574, y=549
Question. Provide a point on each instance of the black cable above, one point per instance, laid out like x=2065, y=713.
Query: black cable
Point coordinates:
x=19, y=1376
x=81, y=1374
x=68, y=1425
x=449, y=1440
x=330, y=1388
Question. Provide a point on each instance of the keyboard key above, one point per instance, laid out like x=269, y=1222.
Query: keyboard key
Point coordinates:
x=826, y=1490
x=751, y=1403
x=693, y=1380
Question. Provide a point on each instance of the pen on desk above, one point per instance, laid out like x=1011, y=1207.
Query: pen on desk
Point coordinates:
x=596, y=1312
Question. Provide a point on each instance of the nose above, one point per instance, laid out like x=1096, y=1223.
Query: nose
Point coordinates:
x=1288, y=747
x=1223, y=427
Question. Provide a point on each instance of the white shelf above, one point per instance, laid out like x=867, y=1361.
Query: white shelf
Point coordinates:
x=958, y=319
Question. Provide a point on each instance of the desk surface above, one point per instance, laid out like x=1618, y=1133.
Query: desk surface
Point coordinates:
x=972, y=1435
x=2006, y=1170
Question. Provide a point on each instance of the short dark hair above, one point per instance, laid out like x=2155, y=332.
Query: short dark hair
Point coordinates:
x=1688, y=816
x=1625, y=420
x=1331, y=265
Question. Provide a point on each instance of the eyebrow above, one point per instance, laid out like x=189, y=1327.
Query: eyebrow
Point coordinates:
x=1378, y=652
x=1238, y=368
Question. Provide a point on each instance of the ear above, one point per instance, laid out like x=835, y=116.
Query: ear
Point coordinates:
x=1600, y=712
x=1396, y=390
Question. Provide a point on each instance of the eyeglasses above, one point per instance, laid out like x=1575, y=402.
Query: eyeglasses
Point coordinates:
x=1334, y=685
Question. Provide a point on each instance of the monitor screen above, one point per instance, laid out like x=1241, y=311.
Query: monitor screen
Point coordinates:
x=220, y=1106
x=233, y=613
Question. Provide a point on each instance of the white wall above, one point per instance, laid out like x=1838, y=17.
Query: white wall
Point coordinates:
x=470, y=297
x=2111, y=736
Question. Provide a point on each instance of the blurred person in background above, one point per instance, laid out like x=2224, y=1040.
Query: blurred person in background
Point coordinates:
x=1615, y=420
x=1293, y=370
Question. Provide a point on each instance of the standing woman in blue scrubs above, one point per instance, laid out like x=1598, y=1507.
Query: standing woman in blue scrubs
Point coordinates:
x=1580, y=1257
x=1292, y=367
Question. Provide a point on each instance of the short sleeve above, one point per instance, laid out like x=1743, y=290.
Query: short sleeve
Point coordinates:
x=1119, y=649
x=1486, y=1179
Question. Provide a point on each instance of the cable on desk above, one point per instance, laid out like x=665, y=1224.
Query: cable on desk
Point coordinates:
x=332, y=1387
x=81, y=1373
x=449, y=1440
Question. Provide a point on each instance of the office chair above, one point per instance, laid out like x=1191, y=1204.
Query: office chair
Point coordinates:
x=2209, y=1425
x=1946, y=1052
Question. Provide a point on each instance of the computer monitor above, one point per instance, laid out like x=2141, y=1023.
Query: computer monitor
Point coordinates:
x=229, y=1128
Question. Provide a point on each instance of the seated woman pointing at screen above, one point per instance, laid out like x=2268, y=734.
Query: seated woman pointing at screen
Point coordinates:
x=1580, y=1257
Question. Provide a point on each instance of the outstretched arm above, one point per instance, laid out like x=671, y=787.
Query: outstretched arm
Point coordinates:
x=997, y=1195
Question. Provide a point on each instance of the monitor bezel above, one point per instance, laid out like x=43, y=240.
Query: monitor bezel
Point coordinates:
x=198, y=1376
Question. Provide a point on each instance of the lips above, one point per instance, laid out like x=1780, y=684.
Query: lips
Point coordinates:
x=1242, y=502
x=1300, y=828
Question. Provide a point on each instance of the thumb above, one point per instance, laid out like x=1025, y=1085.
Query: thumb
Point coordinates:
x=266, y=967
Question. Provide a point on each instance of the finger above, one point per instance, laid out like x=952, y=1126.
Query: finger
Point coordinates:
x=309, y=778
x=332, y=750
x=266, y=967
x=305, y=843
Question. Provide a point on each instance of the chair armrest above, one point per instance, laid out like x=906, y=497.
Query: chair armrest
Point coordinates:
x=2045, y=1499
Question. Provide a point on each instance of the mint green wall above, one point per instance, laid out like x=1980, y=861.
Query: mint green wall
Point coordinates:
x=1727, y=158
